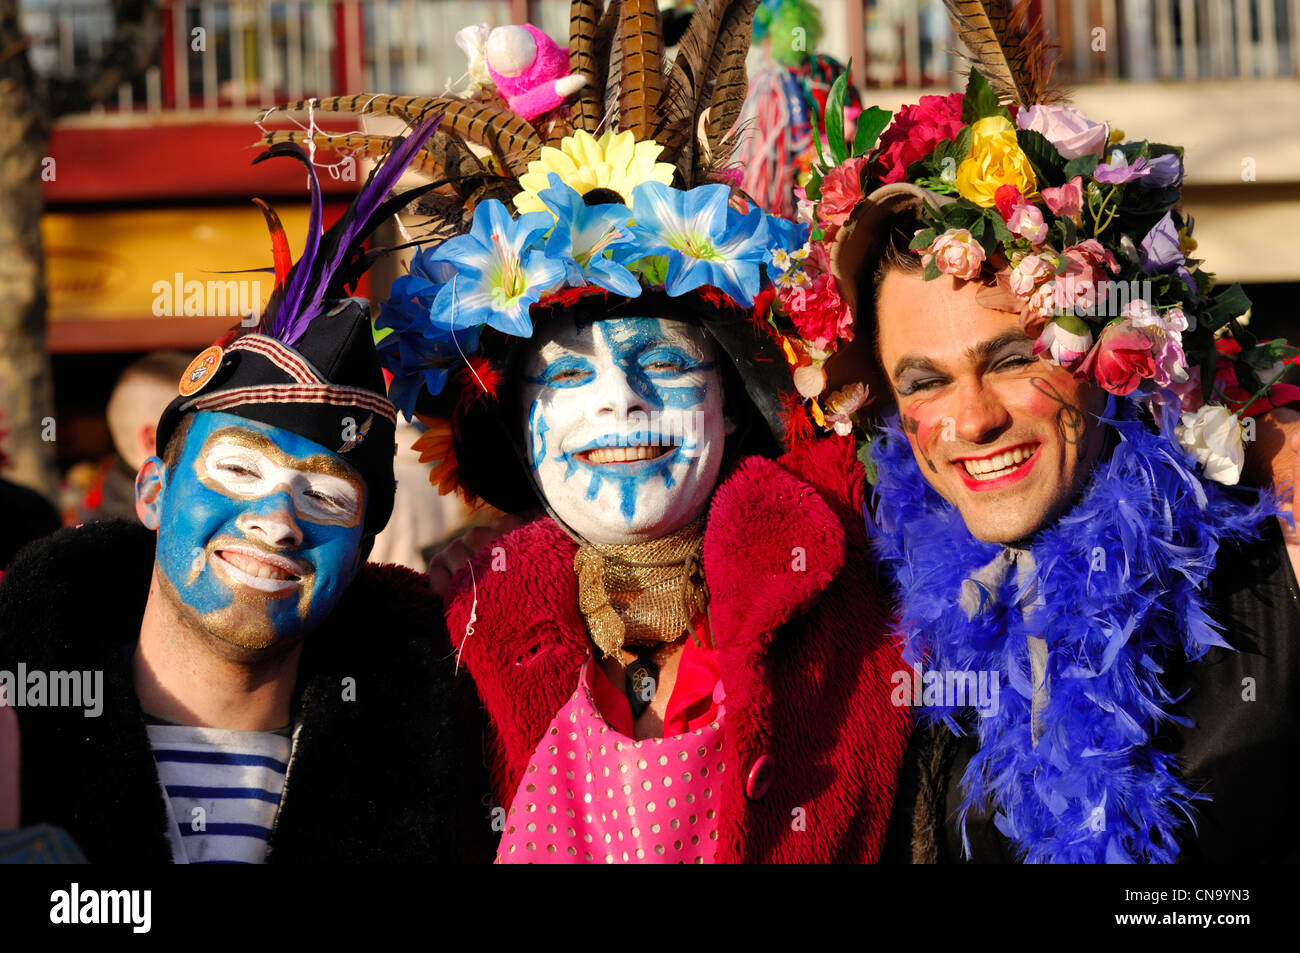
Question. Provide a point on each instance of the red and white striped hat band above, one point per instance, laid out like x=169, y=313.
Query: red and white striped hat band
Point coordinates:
x=334, y=394
x=288, y=360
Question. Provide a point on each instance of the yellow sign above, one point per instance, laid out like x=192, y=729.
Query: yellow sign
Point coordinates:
x=160, y=263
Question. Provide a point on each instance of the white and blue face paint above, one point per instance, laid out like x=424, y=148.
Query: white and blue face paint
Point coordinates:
x=259, y=530
x=624, y=424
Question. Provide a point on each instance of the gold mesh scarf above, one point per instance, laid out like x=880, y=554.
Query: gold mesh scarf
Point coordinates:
x=642, y=593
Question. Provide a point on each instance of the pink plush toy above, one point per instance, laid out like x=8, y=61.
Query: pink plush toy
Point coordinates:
x=530, y=69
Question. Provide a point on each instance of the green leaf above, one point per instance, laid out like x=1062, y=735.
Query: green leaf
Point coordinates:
x=834, y=117
x=961, y=145
x=868, y=460
x=923, y=239
x=654, y=268
x=1069, y=231
x=1048, y=165
x=817, y=143
x=1226, y=306
x=1000, y=230
x=1264, y=356
x=931, y=271
x=813, y=187
x=1082, y=166
x=980, y=102
x=872, y=121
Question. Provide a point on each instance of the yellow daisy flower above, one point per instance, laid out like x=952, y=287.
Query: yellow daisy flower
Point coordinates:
x=616, y=162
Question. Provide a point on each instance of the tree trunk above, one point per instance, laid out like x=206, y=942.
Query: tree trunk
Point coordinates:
x=26, y=391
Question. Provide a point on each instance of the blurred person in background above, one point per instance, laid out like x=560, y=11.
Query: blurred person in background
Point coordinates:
x=141, y=394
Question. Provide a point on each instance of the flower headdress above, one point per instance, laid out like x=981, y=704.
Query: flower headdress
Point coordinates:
x=622, y=199
x=1071, y=226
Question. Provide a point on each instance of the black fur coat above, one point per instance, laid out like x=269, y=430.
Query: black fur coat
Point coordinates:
x=395, y=775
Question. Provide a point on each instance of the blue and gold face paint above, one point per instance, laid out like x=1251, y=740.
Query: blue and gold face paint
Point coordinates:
x=625, y=425
x=259, y=530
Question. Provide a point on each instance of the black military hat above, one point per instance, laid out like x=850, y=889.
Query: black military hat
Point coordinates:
x=327, y=387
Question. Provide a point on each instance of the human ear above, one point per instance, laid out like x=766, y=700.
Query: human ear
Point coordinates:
x=150, y=491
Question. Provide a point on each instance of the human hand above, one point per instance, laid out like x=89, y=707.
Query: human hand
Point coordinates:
x=453, y=557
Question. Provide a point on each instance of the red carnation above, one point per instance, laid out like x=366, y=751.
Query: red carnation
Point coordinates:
x=914, y=133
x=841, y=191
x=819, y=312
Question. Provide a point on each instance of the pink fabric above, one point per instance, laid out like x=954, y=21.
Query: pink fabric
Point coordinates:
x=690, y=706
x=592, y=795
x=804, y=651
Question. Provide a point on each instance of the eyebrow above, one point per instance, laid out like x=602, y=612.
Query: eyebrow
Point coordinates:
x=978, y=352
x=316, y=463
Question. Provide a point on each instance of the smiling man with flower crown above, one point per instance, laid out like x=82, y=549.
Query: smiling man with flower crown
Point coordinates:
x=1050, y=493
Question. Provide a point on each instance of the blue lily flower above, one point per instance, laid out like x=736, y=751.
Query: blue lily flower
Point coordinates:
x=582, y=235
x=705, y=240
x=501, y=271
x=786, y=235
x=422, y=359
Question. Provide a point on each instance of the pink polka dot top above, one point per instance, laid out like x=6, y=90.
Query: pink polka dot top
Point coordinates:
x=592, y=795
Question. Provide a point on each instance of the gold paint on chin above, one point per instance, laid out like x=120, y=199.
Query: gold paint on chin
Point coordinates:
x=228, y=630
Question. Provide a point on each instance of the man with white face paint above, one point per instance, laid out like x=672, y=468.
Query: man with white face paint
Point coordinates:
x=694, y=620
x=591, y=395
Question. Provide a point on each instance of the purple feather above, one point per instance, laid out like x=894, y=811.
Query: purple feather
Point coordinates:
x=313, y=275
x=352, y=227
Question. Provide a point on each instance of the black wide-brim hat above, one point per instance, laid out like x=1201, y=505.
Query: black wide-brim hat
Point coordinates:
x=327, y=388
x=486, y=431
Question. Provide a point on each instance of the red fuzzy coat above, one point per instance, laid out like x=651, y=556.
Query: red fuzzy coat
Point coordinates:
x=804, y=656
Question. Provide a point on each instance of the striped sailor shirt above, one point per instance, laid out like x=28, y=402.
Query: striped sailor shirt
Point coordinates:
x=222, y=787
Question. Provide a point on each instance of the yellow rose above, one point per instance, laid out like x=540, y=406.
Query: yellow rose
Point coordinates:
x=995, y=160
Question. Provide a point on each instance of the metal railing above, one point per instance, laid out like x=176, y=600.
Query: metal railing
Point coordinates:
x=908, y=42
x=240, y=53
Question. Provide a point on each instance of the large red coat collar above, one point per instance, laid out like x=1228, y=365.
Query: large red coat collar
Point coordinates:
x=776, y=540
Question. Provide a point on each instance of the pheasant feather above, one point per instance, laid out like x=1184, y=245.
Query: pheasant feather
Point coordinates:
x=641, y=42
x=1008, y=44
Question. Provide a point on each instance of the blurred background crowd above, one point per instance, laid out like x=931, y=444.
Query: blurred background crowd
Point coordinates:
x=125, y=128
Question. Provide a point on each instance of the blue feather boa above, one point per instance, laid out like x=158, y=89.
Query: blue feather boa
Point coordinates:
x=1121, y=576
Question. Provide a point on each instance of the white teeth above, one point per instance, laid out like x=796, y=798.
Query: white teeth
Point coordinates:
x=998, y=465
x=256, y=572
x=624, y=454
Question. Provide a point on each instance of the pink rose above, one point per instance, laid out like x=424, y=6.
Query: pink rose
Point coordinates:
x=1120, y=361
x=1085, y=269
x=841, y=191
x=1029, y=272
x=1027, y=222
x=1067, y=128
x=1041, y=305
x=956, y=253
x=914, y=133
x=1166, y=331
x=1066, y=201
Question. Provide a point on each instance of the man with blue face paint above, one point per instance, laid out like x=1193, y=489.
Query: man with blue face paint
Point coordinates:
x=267, y=695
